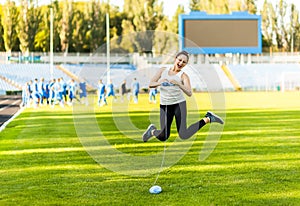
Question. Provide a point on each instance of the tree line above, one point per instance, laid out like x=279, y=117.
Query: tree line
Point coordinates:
x=81, y=26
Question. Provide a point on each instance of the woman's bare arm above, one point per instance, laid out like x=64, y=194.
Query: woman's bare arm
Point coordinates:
x=155, y=81
x=185, y=84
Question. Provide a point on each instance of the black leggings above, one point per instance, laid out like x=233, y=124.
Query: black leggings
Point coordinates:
x=167, y=113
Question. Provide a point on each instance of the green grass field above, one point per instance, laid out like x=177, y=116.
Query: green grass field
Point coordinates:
x=256, y=160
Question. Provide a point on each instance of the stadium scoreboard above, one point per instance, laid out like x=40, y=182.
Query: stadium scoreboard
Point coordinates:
x=239, y=32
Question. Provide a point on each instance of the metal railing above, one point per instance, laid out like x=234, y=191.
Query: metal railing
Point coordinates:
x=115, y=58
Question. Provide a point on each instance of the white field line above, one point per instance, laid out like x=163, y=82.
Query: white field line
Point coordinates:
x=14, y=103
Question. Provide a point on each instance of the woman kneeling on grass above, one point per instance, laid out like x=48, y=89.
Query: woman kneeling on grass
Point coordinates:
x=173, y=83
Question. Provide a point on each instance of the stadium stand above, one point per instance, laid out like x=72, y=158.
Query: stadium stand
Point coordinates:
x=262, y=76
x=7, y=85
x=94, y=72
x=21, y=73
x=250, y=77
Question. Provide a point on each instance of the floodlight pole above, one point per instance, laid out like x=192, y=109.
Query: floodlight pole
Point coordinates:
x=107, y=48
x=292, y=42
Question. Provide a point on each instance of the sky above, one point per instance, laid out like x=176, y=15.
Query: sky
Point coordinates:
x=170, y=6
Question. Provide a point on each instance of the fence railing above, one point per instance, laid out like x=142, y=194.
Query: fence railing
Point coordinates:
x=115, y=58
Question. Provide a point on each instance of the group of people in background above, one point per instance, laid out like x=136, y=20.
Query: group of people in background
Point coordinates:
x=57, y=91
x=38, y=92
x=105, y=91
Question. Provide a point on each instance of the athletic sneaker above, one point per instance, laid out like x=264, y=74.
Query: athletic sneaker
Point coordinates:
x=214, y=118
x=147, y=134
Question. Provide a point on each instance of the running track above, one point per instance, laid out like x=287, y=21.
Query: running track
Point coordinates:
x=9, y=105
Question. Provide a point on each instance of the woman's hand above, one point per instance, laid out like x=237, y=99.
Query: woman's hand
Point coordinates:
x=156, y=81
x=173, y=81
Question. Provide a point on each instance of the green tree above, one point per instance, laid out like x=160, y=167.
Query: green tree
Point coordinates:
x=174, y=21
x=195, y=5
x=293, y=40
x=267, y=25
x=167, y=42
x=143, y=18
x=116, y=30
x=34, y=20
x=223, y=6
x=42, y=37
x=2, y=48
x=116, y=19
x=65, y=25
x=210, y=6
x=251, y=6
x=79, y=29
x=95, y=19
x=9, y=19
x=280, y=28
x=163, y=37
x=57, y=16
x=23, y=27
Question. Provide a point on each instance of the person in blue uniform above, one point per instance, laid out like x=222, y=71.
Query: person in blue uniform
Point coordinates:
x=72, y=88
x=135, y=86
x=101, y=93
x=111, y=90
x=83, y=92
x=152, y=95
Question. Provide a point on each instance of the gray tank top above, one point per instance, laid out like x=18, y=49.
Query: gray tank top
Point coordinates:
x=170, y=93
